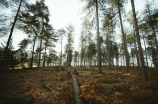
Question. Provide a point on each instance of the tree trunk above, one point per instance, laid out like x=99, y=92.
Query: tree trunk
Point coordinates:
x=78, y=60
x=41, y=42
x=33, y=47
x=124, y=41
x=98, y=40
x=132, y=56
x=135, y=44
x=91, y=60
x=33, y=51
x=112, y=56
x=81, y=56
x=109, y=62
x=124, y=61
x=133, y=61
x=61, y=51
x=84, y=58
x=155, y=40
x=40, y=53
x=11, y=32
x=121, y=58
x=144, y=74
x=145, y=50
x=44, y=56
x=116, y=62
x=68, y=57
x=85, y=51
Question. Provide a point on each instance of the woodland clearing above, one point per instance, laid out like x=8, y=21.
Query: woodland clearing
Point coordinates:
x=113, y=86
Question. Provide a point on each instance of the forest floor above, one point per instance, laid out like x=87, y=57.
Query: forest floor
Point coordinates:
x=52, y=86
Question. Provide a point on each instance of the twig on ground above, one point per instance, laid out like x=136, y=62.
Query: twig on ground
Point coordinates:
x=52, y=91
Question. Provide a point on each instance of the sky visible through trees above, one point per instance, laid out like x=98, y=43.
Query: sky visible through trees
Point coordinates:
x=63, y=13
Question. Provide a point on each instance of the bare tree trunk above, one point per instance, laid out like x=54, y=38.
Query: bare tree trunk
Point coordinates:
x=40, y=52
x=68, y=58
x=121, y=58
x=124, y=41
x=133, y=61
x=39, y=57
x=132, y=56
x=145, y=50
x=44, y=56
x=112, y=56
x=33, y=51
x=10, y=36
x=84, y=59
x=91, y=61
x=124, y=61
x=155, y=40
x=41, y=42
x=85, y=51
x=34, y=42
x=109, y=62
x=144, y=74
x=98, y=41
x=81, y=57
x=61, y=52
x=116, y=62
x=78, y=60
x=135, y=44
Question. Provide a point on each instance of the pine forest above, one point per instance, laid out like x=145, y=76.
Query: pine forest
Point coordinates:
x=78, y=51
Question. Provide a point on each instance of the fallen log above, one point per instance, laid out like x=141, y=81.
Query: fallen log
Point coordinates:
x=77, y=99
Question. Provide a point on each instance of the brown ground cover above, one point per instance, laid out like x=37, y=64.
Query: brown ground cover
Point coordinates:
x=114, y=86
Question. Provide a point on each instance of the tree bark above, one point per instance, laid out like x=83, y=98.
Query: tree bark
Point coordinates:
x=39, y=59
x=144, y=74
x=81, y=56
x=135, y=44
x=44, y=56
x=33, y=47
x=61, y=51
x=112, y=56
x=11, y=32
x=124, y=41
x=132, y=56
x=109, y=51
x=33, y=51
x=78, y=60
x=121, y=58
x=145, y=50
x=68, y=57
x=98, y=40
x=85, y=51
x=84, y=56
